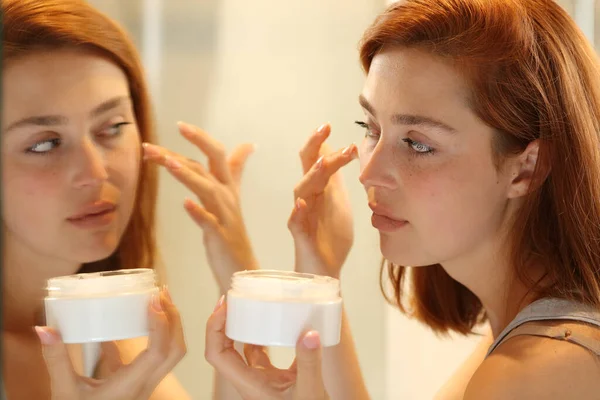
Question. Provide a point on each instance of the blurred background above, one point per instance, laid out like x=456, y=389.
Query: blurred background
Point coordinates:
x=269, y=72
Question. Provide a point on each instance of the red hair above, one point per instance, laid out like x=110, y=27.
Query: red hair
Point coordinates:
x=33, y=25
x=532, y=76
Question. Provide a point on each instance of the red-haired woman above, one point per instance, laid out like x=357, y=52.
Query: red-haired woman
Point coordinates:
x=481, y=161
x=78, y=197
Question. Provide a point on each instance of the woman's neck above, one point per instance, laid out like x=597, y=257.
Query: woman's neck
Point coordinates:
x=491, y=277
x=24, y=281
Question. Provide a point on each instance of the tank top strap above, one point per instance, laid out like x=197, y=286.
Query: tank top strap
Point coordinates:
x=570, y=312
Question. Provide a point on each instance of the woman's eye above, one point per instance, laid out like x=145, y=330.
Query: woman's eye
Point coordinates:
x=369, y=131
x=418, y=147
x=44, y=146
x=114, y=130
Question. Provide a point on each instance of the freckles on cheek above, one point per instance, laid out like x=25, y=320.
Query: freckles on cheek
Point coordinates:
x=435, y=189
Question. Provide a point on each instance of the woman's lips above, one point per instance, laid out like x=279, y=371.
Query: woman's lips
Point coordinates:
x=95, y=215
x=386, y=224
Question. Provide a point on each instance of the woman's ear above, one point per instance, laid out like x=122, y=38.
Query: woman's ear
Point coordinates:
x=523, y=170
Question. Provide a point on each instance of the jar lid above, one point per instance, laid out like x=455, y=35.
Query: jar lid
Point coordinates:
x=285, y=285
x=102, y=283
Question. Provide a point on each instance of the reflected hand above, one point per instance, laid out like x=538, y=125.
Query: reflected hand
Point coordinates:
x=226, y=241
x=258, y=379
x=321, y=222
x=135, y=381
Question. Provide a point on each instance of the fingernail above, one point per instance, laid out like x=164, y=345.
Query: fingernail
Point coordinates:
x=149, y=148
x=188, y=203
x=183, y=126
x=219, y=303
x=348, y=150
x=167, y=294
x=321, y=128
x=156, y=303
x=312, y=340
x=172, y=163
x=298, y=203
x=319, y=163
x=150, y=151
x=46, y=336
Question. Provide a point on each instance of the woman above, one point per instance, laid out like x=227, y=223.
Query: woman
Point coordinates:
x=481, y=164
x=78, y=197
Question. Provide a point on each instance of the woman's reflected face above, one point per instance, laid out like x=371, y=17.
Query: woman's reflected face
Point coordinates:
x=70, y=154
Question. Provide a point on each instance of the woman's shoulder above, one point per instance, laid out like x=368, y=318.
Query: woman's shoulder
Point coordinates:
x=535, y=367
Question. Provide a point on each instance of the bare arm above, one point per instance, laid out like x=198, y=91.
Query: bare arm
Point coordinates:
x=217, y=212
x=341, y=370
x=169, y=388
x=223, y=389
x=455, y=387
x=322, y=227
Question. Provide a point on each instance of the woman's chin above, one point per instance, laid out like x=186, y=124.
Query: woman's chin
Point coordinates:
x=95, y=254
x=408, y=258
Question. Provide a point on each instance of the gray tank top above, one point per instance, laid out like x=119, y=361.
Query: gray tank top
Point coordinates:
x=549, y=309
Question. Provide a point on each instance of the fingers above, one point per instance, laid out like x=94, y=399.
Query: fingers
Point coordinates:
x=136, y=377
x=214, y=150
x=162, y=331
x=110, y=360
x=164, y=157
x=298, y=223
x=63, y=379
x=303, y=227
x=309, y=381
x=178, y=347
x=175, y=347
x=201, y=185
x=237, y=161
x=221, y=354
x=257, y=357
x=316, y=179
x=312, y=149
x=200, y=215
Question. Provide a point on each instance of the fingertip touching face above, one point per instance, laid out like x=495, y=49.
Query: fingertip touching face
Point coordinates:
x=70, y=153
x=426, y=161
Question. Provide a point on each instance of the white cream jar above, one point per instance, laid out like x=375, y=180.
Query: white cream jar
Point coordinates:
x=273, y=308
x=101, y=306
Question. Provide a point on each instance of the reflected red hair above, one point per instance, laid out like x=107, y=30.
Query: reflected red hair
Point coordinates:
x=33, y=25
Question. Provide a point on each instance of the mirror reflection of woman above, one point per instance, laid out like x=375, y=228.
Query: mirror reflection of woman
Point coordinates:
x=480, y=160
x=79, y=195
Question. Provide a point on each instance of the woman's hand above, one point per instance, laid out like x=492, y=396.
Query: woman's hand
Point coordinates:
x=217, y=188
x=258, y=379
x=321, y=222
x=135, y=381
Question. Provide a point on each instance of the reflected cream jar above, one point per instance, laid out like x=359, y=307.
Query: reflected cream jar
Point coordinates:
x=273, y=308
x=101, y=306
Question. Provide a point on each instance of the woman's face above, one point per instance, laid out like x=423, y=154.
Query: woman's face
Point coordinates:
x=70, y=155
x=426, y=162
